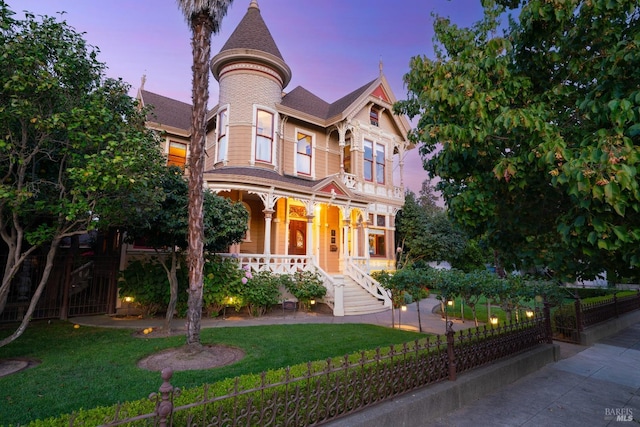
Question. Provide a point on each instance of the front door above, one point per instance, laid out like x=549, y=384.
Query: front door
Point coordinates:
x=297, y=238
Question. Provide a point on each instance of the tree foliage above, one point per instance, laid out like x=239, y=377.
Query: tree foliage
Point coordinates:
x=74, y=152
x=166, y=228
x=535, y=134
x=425, y=233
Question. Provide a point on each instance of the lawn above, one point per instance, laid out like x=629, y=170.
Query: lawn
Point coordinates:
x=89, y=367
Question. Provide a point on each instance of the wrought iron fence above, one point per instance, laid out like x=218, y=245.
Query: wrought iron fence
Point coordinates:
x=571, y=319
x=327, y=391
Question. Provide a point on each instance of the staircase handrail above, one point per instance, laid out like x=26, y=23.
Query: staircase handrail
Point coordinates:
x=368, y=283
x=327, y=282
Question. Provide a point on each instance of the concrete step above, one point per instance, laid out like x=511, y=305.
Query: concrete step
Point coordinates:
x=358, y=301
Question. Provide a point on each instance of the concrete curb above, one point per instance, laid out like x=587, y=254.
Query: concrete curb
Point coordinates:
x=433, y=401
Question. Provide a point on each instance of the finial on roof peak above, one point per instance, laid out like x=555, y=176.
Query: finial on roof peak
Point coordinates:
x=380, y=65
x=143, y=80
x=254, y=4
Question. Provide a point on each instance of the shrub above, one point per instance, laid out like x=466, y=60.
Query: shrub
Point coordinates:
x=146, y=281
x=260, y=292
x=222, y=280
x=306, y=286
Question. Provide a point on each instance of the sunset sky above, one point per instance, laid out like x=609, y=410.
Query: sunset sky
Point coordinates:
x=332, y=46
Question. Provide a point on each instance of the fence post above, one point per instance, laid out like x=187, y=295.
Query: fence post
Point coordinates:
x=450, y=353
x=164, y=407
x=547, y=322
x=578, y=307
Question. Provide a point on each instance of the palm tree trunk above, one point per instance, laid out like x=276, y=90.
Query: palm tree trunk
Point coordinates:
x=201, y=49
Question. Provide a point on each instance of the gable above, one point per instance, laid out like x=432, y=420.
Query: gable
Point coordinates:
x=381, y=94
x=332, y=188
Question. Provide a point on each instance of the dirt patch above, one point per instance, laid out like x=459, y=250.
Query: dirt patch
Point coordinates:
x=11, y=366
x=185, y=358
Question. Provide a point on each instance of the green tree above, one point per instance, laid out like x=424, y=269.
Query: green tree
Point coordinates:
x=424, y=232
x=74, y=152
x=225, y=223
x=204, y=18
x=535, y=134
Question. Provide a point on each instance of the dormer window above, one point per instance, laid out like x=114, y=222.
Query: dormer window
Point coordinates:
x=374, y=115
x=264, y=136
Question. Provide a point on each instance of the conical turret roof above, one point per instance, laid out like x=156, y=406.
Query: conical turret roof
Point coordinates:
x=252, y=41
x=252, y=33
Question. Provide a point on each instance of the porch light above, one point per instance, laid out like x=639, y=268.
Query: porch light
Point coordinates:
x=529, y=313
x=493, y=320
x=403, y=308
x=312, y=302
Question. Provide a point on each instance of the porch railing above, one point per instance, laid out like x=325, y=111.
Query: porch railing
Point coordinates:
x=280, y=264
x=287, y=264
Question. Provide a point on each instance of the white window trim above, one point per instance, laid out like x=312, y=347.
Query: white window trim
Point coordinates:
x=312, y=171
x=226, y=155
x=374, y=143
x=276, y=118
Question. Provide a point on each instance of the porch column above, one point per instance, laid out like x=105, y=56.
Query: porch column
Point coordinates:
x=355, y=250
x=310, y=235
x=365, y=229
x=268, y=213
x=269, y=201
x=344, y=252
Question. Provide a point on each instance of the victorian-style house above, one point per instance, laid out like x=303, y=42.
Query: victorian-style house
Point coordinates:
x=316, y=177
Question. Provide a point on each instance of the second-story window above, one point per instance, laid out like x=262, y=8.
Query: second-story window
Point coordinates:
x=368, y=160
x=177, y=154
x=223, y=121
x=374, y=161
x=303, y=154
x=264, y=136
x=380, y=163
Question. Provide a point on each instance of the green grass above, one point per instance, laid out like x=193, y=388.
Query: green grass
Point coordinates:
x=89, y=367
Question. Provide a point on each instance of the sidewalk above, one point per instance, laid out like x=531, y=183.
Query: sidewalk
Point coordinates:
x=598, y=386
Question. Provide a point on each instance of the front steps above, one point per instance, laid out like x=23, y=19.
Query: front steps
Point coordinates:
x=359, y=301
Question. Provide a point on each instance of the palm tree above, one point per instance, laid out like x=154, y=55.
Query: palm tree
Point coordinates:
x=204, y=18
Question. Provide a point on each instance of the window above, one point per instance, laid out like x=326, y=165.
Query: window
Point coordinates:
x=373, y=161
x=347, y=156
x=380, y=163
x=303, y=154
x=264, y=136
x=223, y=122
x=381, y=221
x=377, y=246
x=373, y=116
x=177, y=154
x=368, y=160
